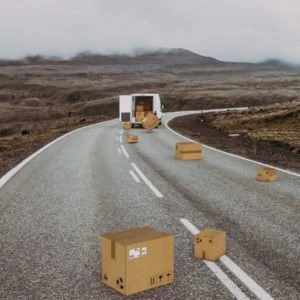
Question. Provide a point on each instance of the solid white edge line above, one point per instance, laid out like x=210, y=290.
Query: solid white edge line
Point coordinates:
x=10, y=174
x=248, y=281
x=226, y=153
x=233, y=267
x=120, y=139
x=124, y=151
x=134, y=176
x=119, y=150
x=147, y=181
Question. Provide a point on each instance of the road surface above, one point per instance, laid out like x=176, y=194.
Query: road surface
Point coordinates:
x=91, y=182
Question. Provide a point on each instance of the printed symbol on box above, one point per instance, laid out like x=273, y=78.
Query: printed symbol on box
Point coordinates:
x=152, y=280
x=169, y=275
x=144, y=251
x=119, y=283
x=160, y=277
x=134, y=253
x=105, y=277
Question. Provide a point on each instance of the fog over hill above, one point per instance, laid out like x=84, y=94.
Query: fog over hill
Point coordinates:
x=161, y=57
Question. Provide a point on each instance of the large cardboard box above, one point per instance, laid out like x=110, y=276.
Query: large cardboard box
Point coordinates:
x=139, y=116
x=138, y=259
x=266, y=174
x=139, y=108
x=209, y=244
x=188, y=151
x=150, y=122
x=132, y=139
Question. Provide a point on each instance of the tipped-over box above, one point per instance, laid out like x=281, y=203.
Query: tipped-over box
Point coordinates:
x=188, y=151
x=266, y=174
x=209, y=244
x=151, y=121
x=126, y=125
x=132, y=139
x=137, y=260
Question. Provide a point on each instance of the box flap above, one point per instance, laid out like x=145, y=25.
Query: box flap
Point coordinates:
x=142, y=237
x=116, y=236
x=209, y=233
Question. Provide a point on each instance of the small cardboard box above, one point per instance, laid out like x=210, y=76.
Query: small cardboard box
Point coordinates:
x=132, y=139
x=126, y=126
x=139, y=108
x=139, y=116
x=188, y=151
x=137, y=260
x=209, y=244
x=266, y=174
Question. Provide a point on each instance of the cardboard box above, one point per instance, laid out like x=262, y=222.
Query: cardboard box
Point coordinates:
x=126, y=126
x=150, y=122
x=139, y=116
x=188, y=151
x=139, y=108
x=266, y=174
x=137, y=260
x=209, y=244
x=188, y=156
x=132, y=139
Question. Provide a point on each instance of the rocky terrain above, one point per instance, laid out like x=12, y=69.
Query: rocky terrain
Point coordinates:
x=41, y=98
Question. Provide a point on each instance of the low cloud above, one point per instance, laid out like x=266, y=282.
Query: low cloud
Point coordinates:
x=232, y=30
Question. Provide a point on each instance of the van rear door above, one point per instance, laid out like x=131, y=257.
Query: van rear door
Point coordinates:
x=125, y=108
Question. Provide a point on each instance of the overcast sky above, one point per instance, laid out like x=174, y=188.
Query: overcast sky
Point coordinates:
x=231, y=30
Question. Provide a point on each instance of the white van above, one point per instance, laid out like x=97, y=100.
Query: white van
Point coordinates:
x=133, y=108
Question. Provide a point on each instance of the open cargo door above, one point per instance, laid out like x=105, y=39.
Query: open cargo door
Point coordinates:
x=125, y=106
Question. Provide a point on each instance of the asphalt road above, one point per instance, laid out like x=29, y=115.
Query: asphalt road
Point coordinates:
x=54, y=209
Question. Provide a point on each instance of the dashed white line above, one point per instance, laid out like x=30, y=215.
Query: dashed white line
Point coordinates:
x=230, y=154
x=223, y=277
x=193, y=229
x=124, y=151
x=134, y=176
x=119, y=150
x=248, y=281
x=147, y=181
x=121, y=131
x=234, y=268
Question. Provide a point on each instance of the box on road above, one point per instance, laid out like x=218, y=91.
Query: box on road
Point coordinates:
x=137, y=260
x=188, y=151
x=209, y=244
